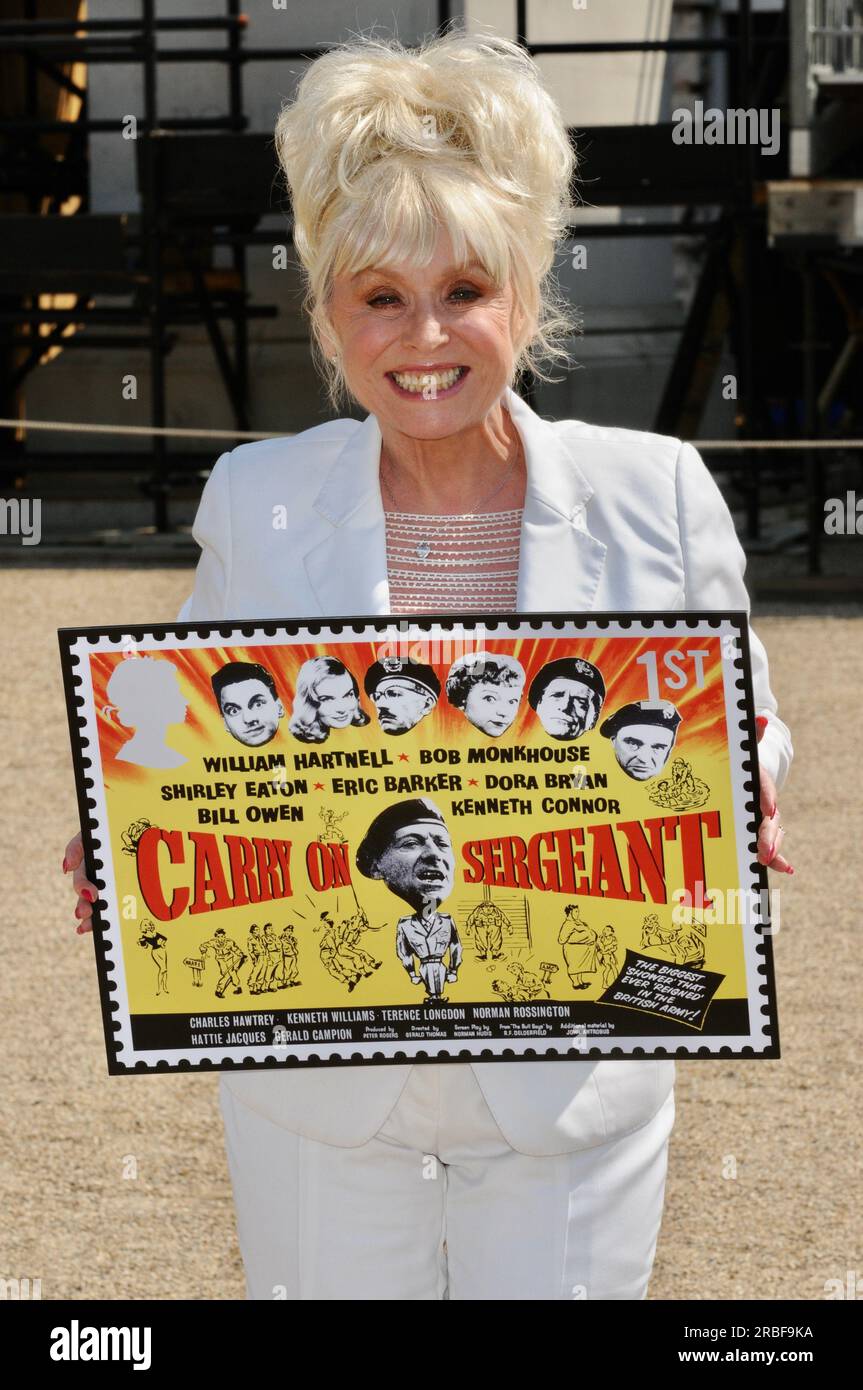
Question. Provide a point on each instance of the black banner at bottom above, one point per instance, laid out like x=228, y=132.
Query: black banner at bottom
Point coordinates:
x=449, y=1023
x=79, y=1338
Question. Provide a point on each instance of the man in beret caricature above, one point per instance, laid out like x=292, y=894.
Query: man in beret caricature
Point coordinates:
x=409, y=847
x=642, y=735
x=567, y=695
x=247, y=697
x=402, y=691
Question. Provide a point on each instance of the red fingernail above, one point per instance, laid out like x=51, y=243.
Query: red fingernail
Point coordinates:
x=760, y=720
x=65, y=865
x=790, y=869
x=88, y=894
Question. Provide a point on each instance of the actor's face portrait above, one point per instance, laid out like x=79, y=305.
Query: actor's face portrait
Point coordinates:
x=336, y=700
x=492, y=708
x=251, y=712
x=401, y=704
x=565, y=708
x=642, y=749
x=418, y=863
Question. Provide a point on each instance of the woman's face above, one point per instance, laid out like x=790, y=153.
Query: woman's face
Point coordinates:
x=337, y=703
x=491, y=707
x=427, y=350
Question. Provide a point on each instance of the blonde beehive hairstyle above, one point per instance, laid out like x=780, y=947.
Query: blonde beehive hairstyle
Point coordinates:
x=382, y=144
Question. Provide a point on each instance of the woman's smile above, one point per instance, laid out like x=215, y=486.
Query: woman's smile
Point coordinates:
x=428, y=383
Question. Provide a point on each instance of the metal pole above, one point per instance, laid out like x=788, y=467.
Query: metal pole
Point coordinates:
x=800, y=155
x=746, y=322
x=521, y=23
x=239, y=251
x=448, y=10
x=810, y=417
x=153, y=242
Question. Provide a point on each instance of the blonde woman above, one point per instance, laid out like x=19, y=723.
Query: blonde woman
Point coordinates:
x=327, y=697
x=430, y=189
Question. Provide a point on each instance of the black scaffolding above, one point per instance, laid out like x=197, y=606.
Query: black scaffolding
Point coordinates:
x=206, y=182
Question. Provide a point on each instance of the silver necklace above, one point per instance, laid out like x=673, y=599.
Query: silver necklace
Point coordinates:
x=422, y=549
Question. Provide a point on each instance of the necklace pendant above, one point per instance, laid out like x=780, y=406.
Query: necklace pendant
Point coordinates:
x=423, y=550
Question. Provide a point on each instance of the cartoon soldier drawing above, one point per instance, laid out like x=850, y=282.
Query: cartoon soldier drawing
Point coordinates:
x=528, y=985
x=290, y=952
x=258, y=956
x=330, y=829
x=689, y=945
x=229, y=958
x=683, y=943
x=131, y=836
x=272, y=948
x=409, y=847
x=336, y=958
x=683, y=791
x=350, y=932
x=607, y=955
x=488, y=922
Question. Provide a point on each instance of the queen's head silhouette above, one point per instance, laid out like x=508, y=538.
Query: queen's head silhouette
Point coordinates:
x=146, y=694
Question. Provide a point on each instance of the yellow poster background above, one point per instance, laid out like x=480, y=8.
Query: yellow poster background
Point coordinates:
x=136, y=794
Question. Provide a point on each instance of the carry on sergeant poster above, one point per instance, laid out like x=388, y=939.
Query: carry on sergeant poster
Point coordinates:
x=382, y=839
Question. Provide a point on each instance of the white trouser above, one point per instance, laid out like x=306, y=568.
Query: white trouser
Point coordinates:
x=437, y=1205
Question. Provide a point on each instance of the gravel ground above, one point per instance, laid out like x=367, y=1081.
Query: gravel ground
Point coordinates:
x=118, y=1188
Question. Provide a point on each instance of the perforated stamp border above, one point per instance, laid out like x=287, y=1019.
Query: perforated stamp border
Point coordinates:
x=125, y=1059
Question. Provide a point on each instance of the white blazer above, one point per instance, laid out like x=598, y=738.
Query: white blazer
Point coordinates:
x=614, y=519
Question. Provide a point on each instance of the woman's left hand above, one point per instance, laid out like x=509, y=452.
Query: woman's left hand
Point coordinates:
x=770, y=832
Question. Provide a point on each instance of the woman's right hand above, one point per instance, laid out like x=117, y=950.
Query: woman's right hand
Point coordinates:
x=73, y=862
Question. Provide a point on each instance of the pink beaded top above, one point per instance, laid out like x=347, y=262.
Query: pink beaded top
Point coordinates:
x=465, y=563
